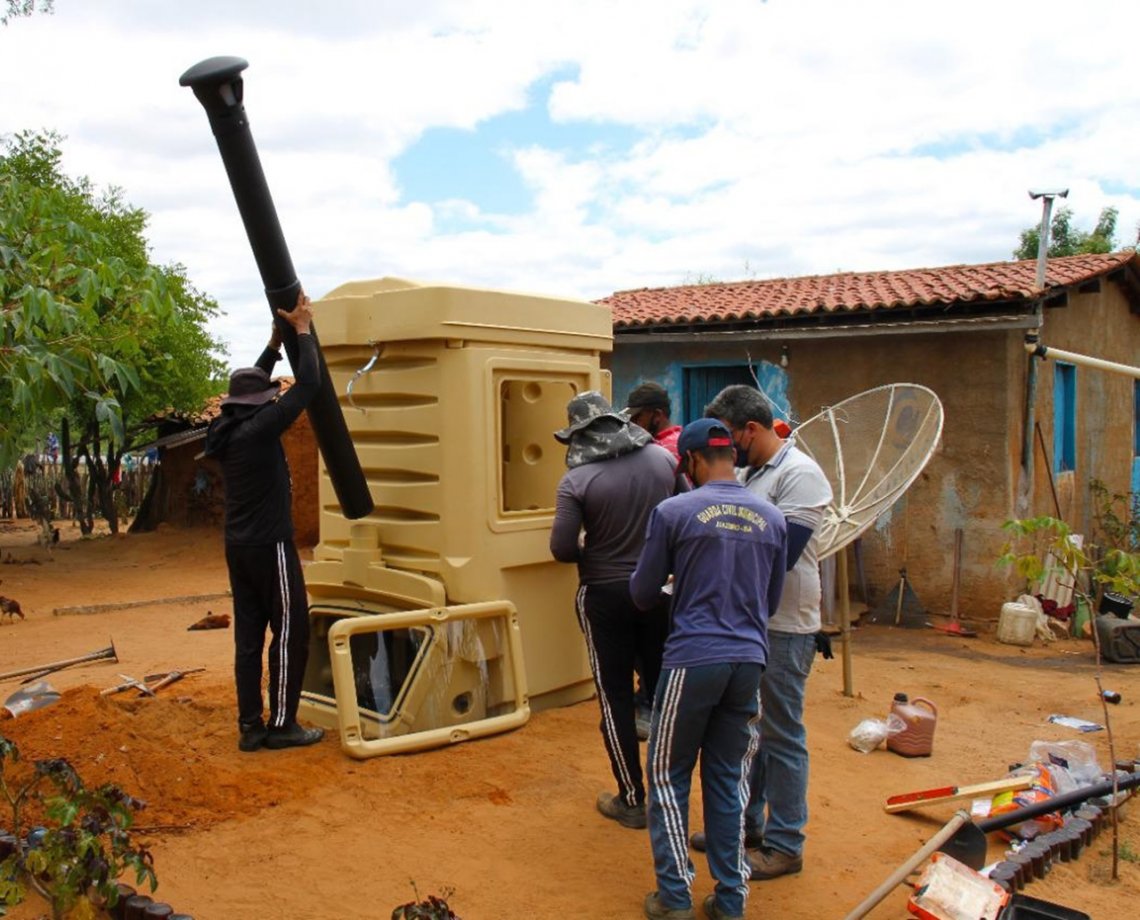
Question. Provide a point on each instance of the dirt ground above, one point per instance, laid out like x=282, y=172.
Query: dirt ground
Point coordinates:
x=505, y=826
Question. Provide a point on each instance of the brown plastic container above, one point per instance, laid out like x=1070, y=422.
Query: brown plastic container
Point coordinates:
x=921, y=717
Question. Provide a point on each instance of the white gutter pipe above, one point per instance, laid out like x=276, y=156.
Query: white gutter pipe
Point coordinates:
x=1038, y=350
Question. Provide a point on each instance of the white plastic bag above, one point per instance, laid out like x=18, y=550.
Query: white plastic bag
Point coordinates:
x=1078, y=758
x=870, y=733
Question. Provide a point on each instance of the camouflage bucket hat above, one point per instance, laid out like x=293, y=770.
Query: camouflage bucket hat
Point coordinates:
x=585, y=409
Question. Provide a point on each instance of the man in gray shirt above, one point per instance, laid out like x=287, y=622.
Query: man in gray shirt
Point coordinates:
x=776, y=470
x=616, y=476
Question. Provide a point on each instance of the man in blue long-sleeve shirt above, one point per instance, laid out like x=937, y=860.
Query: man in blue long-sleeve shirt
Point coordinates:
x=265, y=570
x=725, y=549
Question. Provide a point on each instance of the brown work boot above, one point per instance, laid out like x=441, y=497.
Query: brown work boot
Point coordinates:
x=767, y=863
x=715, y=913
x=655, y=910
x=616, y=810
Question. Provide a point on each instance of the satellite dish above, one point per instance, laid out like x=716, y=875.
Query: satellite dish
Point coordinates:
x=871, y=447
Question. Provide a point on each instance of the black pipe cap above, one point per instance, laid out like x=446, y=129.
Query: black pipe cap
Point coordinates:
x=213, y=70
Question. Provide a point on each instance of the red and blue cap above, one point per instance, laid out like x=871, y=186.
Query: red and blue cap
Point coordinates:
x=703, y=433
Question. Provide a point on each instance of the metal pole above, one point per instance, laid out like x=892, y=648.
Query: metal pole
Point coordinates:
x=845, y=621
x=1025, y=499
x=217, y=84
x=108, y=652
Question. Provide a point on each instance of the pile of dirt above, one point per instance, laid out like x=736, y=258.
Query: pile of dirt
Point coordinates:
x=176, y=753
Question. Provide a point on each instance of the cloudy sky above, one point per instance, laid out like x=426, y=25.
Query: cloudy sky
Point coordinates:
x=578, y=148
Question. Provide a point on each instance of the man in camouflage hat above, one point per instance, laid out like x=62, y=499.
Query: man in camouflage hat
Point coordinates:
x=616, y=476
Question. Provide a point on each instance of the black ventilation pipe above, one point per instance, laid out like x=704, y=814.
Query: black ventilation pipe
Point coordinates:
x=218, y=85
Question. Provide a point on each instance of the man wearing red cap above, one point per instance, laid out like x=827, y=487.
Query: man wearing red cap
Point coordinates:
x=725, y=549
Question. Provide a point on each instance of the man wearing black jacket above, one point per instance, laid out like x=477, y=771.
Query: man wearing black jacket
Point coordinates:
x=265, y=570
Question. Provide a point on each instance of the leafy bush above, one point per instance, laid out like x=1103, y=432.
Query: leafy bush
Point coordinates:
x=75, y=860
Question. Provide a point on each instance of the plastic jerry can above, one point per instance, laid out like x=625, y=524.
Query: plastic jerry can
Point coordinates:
x=1017, y=624
x=1119, y=639
x=920, y=716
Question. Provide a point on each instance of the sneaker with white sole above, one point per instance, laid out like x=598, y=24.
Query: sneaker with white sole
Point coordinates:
x=616, y=810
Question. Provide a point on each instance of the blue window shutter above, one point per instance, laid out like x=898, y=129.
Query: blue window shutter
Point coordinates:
x=703, y=382
x=1064, y=417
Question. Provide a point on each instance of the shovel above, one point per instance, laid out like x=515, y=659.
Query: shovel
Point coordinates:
x=34, y=697
x=968, y=844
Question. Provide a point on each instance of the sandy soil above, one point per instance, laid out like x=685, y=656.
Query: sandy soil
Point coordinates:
x=506, y=824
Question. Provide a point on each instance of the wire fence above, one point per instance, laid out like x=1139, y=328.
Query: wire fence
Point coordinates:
x=29, y=490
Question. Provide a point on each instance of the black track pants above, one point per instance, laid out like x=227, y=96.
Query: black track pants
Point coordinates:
x=268, y=590
x=617, y=633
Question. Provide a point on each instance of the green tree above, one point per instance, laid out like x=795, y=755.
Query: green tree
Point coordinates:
x=1066, y=240
x=90, y=331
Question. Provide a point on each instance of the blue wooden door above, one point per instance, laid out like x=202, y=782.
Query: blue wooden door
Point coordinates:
x=703, y=382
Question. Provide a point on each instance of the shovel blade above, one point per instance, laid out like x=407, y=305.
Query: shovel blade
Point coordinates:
x=968, y=846
x=37, y=696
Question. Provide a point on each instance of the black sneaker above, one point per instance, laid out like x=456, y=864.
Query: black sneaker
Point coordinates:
x=292, y=736
x=252, y=736
x=626, y=815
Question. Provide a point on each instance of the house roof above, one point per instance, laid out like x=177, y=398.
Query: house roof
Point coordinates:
x=211, y=410
x=176, y=427
x=850, y=292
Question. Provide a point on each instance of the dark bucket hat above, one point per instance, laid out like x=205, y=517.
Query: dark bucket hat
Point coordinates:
x=250, y=386
x=585, y=409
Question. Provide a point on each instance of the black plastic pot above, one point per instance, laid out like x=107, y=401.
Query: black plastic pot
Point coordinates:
x=1023, y=907
x=134, y=908
x=1116, y=604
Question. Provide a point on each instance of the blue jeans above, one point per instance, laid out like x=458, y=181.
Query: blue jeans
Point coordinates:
x=710, y=710
x=777, y=807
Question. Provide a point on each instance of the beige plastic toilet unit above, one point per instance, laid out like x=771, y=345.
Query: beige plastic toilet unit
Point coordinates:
x=441, y=615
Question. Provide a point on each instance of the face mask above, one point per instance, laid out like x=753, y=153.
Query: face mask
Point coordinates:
x=741, y=459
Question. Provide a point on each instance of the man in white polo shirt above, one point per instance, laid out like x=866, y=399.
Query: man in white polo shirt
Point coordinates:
x=776, y=470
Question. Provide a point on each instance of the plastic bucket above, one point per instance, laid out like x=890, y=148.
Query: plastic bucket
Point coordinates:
x=1116, y=604
x=1017, y=624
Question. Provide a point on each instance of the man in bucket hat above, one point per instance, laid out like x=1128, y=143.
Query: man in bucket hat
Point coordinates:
x=616, y=477
x=265, y=570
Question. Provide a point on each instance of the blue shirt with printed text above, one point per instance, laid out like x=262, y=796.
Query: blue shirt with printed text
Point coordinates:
x=726, y=550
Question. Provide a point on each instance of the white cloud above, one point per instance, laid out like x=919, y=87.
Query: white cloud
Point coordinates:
x=771, y=138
